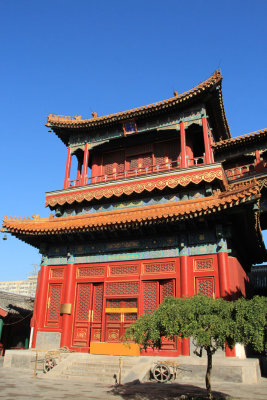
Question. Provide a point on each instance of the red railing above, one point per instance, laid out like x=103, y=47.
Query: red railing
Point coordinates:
x=138, y=171
x=240, y=172
x=135, y=172
x=231, y=173
x=246, y=170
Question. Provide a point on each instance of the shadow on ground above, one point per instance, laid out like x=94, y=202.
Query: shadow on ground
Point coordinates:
x=170, y=391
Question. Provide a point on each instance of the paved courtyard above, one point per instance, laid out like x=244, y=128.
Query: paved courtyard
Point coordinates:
x=15, y=384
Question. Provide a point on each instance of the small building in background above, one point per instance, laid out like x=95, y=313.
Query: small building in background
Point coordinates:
x=15, y=317
x=25, y=287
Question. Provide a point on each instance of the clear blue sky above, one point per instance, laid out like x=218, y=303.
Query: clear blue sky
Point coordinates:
x=74, y=57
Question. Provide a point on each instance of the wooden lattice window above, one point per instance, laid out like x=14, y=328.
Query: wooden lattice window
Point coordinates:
x=204, y=264
x=108, y=161
x=166, y=152
x=155, y=267
x=156, y=291
x=130, y=317
x=90, y=271
x=53, y=305
x=56, y=273
x=123, y=270
x=133, y=162
x=147, y=161
x=120, y=162
x=84, y=302
x=205, y=286
x=167, y=289
x=98, y=307
x=122, y=288
x=159, y=154
x=150, y=296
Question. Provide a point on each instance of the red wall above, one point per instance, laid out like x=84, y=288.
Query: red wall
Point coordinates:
x=58, y=284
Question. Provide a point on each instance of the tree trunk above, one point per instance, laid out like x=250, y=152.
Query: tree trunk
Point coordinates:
x=208, y=372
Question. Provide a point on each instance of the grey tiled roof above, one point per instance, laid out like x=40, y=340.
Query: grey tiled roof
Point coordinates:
x=16, y=303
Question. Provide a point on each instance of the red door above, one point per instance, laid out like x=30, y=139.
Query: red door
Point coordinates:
x=88, y=314
x=120, y=314
x=53, y=305
x=154, y=292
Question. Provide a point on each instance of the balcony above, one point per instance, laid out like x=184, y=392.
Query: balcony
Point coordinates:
x=246, y=171
x=136, y=172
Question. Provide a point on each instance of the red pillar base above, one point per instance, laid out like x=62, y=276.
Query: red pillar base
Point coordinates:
x=185, y=347
x=229, y=352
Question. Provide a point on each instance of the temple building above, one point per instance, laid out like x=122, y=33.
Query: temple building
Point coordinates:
x=163, y=202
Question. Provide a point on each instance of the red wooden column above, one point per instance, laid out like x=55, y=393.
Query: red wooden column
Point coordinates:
x=41, y=297
x=184, y=279
x=211, y=150
x=67, y=316
x=258, y=164
x=85, y=164
x=183, y=145
x=78, y=176
x=206, y=141
x=224, y=282
x=67, y=170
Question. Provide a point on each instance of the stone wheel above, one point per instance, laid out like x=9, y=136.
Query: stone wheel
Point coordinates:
x=161, y=373
x=49, y=363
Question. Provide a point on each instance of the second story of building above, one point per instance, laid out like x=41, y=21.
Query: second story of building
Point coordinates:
x=171, y=139
x=171, y=148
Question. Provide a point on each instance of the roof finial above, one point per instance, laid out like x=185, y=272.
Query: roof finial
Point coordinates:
x=94, y=114
x=175, y=93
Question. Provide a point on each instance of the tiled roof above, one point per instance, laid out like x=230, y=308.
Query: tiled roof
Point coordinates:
x=175, y=211
x=16, y=303
x=240, y=140
x=215, y=79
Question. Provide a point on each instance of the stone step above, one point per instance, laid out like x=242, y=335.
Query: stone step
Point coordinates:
x=107, y=370
x=74, y=371
x=99, y=365
x=97, y=369
x=91, y=379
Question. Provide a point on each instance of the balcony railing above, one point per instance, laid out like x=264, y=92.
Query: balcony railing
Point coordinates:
x=139, y=171
x=245, y=171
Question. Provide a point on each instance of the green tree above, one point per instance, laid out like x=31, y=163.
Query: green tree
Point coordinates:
x=209, y=322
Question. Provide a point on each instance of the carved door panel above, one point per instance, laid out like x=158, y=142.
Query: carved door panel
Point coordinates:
x=88, y=314
x=53, y=305
x=167, y=288
x=97, y=312
x=82, y=317
x=120, y=314
x=154, y=292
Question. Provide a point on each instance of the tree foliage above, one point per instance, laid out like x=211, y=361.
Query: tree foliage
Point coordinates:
x=209, y=322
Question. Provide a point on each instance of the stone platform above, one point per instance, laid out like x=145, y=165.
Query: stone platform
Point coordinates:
x=107, y=369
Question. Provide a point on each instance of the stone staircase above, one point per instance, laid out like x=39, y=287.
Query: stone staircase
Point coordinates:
x=95, y=368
